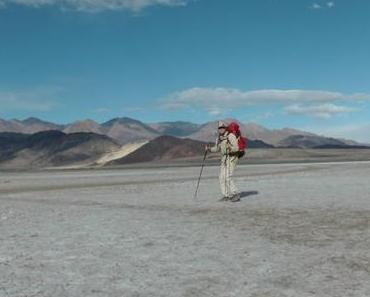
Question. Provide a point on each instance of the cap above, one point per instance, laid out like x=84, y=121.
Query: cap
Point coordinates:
x=222, y=124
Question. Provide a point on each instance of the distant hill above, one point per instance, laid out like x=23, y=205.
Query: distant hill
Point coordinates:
x=208, y=132
x=29, y=126
x=10, y=143
x=52, y=148
x=347, y=146
x=84, y=126
x=125, y=130
x=171, y=148
x=55, y=148
x=178, y=129
x=309, y=141
x=163, y=148
x=257, y=144
x=271, y=136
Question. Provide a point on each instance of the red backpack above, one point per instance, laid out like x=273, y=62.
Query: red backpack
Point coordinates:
x=242, y=141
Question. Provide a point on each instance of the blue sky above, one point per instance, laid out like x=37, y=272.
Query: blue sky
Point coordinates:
x=281, y=63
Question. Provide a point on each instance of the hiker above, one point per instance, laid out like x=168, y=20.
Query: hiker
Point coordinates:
x=227, y=145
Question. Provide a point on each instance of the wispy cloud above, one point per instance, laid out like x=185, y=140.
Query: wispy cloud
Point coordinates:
x=214, y=100
x=322, y=5
x=96, y=5
x=39, y=99
x=321, y=111
x=330, y=4
x=214, y=97
x=215, y=111
x=316, y=6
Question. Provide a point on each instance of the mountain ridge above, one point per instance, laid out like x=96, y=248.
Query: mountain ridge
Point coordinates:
x=128, y=130
x=52, y=148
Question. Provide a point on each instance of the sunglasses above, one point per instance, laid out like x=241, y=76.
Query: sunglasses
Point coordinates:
x=221, y=128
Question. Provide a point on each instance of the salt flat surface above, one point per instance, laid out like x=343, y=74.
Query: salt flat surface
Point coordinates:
x=300, y=230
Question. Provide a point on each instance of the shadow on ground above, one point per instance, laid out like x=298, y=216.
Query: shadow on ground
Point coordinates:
x=248, y=193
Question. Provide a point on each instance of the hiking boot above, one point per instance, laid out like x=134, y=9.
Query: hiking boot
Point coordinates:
x=235, y=198
x=223, y=199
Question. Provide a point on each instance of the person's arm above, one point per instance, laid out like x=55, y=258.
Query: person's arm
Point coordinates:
x=215, y=148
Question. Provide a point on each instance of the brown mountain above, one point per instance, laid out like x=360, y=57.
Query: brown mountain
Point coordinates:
x=311, y=141
x=206, y=132
x=52, y=148
x=34, y=125
x=271, y=136
x=177, y=129
x=126, y=130
x=29, y=126
x=163, y=148
x=84, y=126
x=10, y=126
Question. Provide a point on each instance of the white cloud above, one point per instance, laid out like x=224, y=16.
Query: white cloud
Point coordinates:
x=316, y=6
x=217, y=101
x=40, y=99
x=215, y=111
x=96, y=5
x=330, y=4
x=219, y=97
x=321, y=111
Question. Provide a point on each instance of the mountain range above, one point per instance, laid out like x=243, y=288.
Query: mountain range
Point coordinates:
x=52, y=148
x=55, y=148
x=36, y=143
x=126, y=130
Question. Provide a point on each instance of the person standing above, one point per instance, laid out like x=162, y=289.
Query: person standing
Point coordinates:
x=227, y=146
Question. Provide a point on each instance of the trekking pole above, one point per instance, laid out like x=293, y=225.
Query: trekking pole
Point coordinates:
x=200, y=175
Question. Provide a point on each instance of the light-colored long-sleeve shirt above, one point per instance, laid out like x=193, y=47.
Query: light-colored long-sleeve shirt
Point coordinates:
x=226, y=144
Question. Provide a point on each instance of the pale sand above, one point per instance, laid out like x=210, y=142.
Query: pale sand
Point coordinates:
x=300, y=230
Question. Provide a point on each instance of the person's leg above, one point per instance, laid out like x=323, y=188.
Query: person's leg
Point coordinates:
x=232, y=164
x=228, y=172
x=232, y=189
x=222, y=178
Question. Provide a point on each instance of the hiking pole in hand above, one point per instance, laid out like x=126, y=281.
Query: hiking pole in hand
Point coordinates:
x=200, y=175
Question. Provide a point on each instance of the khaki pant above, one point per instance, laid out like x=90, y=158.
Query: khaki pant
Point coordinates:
x=228, y=164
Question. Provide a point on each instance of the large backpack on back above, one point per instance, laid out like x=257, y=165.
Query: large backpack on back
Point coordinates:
x=242, y=141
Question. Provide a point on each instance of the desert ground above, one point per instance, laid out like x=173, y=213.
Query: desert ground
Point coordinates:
x=300, y=230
